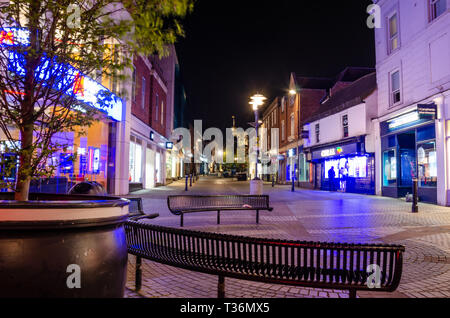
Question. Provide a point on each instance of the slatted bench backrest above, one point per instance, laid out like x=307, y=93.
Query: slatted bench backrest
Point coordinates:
x=308, y=264
x=178, y=204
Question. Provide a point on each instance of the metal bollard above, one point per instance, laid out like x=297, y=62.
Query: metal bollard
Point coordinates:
x=273, y=181
x=186, y=188
x=190, y=181
x=415, y=206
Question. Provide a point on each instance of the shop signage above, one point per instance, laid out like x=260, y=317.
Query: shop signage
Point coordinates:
x=335, y=151
x=423, y=113
x=328, y=153
x=427, y=110
x=404, y=120
x=75, y=84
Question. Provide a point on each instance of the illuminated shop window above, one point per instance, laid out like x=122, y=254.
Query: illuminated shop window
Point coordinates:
x=427, y=164
x=390, y=168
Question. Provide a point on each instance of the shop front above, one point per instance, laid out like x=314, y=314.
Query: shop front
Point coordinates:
x=408, y=148
x=306, y=168
x=344, y=167
x=292, y=165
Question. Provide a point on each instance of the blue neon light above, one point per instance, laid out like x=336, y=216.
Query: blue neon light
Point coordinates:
x=80, y=86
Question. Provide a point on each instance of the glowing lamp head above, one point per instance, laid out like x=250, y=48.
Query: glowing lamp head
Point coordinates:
x=292, y=92
x=257, y=100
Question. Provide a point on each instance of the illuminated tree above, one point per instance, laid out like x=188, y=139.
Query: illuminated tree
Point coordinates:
x=49, y=49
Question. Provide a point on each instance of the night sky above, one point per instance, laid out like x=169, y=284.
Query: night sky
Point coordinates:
x=235, y=48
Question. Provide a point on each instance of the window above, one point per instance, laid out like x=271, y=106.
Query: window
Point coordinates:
x=390, y=168
x=345, y=125
x=133, y=85
x=291, y=100
x=395, y=84
x=275, y=116
x=317, y=133
x=162, y=113
x=393, y=33
x=283, y=104
x=427, y=164
x=292, y=126
x=156, y=107
x=436, y=8
x=143, y=92
x=283, y=132
x=135, y=165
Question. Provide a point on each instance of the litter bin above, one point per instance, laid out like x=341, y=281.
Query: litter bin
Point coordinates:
x=88, y=188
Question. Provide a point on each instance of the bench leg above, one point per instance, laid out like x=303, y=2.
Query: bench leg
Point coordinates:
x=218, y=217
x=257, y=216
x=221, y=287
x=352, y=293
x=138, y=275
x=181, y=220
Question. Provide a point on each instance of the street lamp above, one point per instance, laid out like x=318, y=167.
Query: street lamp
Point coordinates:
x=256, y=101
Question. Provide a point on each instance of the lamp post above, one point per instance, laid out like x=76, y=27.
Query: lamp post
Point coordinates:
x=256, y=101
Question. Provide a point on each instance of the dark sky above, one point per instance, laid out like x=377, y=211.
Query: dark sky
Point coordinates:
x=235, y=48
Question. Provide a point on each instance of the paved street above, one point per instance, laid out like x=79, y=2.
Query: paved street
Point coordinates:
x=306, y=215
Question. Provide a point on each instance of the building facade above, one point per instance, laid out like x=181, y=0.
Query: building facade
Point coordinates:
x=150, y=156
x=340, y=144
x=413, y=74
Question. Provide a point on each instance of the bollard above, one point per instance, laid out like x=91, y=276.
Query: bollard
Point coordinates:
x=273, y=181
x=186, y=188
x=415, y=206
x=190, y=180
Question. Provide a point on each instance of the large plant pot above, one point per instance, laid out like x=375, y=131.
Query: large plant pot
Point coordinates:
x=45, y=241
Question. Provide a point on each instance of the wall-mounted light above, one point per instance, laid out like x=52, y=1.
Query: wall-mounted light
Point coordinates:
x=169, y=145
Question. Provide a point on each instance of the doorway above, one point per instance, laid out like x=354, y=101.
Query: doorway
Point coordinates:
x=407, y=154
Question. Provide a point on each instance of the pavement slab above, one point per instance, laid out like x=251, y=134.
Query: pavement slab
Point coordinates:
x=304, y=215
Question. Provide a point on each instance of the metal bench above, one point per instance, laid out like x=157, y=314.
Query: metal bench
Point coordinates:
x=182, y=204
x=136, y=210
x=305, y=264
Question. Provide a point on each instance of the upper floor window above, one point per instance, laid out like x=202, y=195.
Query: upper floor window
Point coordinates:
x=436, y=8
x=291, y=100
x=345, y=125
x=283, y=104
x=156, y=107
x=162, y=113
x=292, y=125
x=133, y=85
x=317, y=133
x=143, y=92
x=283, y=131
x=275, y=117
x=395, y=87
x=393, y=33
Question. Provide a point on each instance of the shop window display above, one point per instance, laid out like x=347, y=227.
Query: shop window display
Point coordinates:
x=427, y=165
x=390, y=168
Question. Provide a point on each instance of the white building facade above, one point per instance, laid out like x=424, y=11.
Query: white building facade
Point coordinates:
x=412, y=129
x=340, y=143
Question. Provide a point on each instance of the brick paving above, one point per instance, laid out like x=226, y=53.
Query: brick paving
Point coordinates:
x=305, y=215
